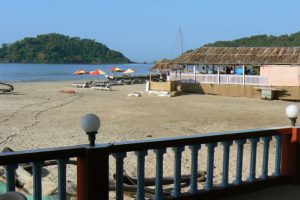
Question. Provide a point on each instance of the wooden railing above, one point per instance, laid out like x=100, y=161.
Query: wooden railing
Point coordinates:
x=220, y=79
x=93, y=164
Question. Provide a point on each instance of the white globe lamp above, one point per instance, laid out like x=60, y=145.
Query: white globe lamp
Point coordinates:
x=90, y=123
x=292, y=112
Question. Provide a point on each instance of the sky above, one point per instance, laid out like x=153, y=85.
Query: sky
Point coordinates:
x=148, y=30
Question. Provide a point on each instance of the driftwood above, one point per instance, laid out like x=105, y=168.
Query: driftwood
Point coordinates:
x=130, y=190
x=130, y=184
x=166, y=180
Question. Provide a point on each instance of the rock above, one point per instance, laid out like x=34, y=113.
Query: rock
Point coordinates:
x=175, y=93
x=71, y=190
x=26, y=180
x=2, y=172
x=149, y=136
x=135, y=94
x=164, y=92
x=164, y=95
x=49, y=188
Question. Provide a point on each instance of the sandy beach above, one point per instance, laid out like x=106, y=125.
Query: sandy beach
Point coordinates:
x=39, y=115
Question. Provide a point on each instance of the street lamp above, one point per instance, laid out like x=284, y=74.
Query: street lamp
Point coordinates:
x=90, y=123
x=292, y=112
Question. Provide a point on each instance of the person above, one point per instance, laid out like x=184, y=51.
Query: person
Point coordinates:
x=203, y=71
x=231, y=70
x=227, y=70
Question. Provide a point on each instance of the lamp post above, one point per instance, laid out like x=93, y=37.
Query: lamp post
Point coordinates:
x=90, y=123
x=292, y=112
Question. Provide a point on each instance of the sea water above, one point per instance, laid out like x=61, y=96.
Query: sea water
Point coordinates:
x=60, y=72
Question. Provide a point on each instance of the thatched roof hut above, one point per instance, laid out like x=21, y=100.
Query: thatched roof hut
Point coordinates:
x=241, y=56
x=165, y=64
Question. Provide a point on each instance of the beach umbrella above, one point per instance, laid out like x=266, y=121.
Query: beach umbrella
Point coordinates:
x=80, y=72
x=129, y=71
x=116, y=69
x=97, y=72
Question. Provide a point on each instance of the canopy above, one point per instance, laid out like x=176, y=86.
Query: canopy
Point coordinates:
x=97, y=72
x=116, y=69
x=80, y=72
x=128, y=71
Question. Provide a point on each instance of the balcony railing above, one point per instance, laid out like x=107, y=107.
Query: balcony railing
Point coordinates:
x=220, y=79
x=280, y=145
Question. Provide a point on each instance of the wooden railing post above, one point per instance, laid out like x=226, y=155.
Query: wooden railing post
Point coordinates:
x=291, y=155
x=92, y=174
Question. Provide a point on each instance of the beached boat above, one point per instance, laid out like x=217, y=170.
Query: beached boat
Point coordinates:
x=4, y=87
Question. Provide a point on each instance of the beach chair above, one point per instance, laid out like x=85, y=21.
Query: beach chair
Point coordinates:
x=100, y=83
x=116, y=82
x=83, y=85
x=106, y=87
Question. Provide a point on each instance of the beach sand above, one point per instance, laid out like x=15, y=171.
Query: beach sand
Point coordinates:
x=39, y=115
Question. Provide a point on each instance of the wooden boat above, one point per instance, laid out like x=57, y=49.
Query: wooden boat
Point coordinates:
x=9, y=89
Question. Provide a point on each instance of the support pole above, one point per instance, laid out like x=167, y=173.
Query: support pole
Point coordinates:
x=219, y=75
x=291, y=155
x=194, y=70
x=243, y=74
x=92, y=175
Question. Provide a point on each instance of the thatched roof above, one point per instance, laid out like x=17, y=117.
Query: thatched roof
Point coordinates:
x=241, y=56
x=165, y=64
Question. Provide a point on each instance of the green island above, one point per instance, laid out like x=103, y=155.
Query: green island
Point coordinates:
x=55, y=48
x=291, y=40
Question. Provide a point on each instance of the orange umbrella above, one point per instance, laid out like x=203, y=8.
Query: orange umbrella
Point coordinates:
x=97, y=72
x=116, y=69
x=80, y=72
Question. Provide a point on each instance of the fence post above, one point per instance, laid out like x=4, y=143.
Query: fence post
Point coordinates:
x=194, y=71
x=291, y=155
x=92, y=174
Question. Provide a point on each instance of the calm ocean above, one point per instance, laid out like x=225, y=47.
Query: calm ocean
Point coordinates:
x=59, y=72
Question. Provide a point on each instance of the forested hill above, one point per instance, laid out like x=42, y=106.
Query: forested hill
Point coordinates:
x=261, y=41
x=58, y=49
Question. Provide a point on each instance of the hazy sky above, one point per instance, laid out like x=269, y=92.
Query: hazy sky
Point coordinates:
x=147, y=30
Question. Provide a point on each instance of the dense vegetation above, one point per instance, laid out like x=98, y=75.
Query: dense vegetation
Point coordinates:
x=56, y=48
x=261, y=41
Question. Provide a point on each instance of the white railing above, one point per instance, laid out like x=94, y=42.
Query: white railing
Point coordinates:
x=206, y=78
x=256, y=80
x=231, y=79
x=183, y=77
x=219, y=79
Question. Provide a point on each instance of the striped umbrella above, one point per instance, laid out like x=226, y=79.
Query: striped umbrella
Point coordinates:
x=97, y=72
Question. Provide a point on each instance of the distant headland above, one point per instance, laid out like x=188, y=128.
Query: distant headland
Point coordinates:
x=55, y=48
x=292, y=40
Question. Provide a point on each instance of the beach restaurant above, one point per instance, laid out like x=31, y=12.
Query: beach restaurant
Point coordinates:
x=257, y=72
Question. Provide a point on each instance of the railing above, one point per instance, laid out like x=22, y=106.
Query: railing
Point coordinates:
x=255, y=80
x=220, y=79
x=238, y=152
x=231, y=79
x=207, y=78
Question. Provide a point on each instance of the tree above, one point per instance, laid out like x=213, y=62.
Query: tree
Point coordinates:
x=56, y=48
